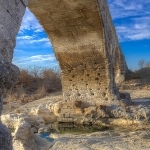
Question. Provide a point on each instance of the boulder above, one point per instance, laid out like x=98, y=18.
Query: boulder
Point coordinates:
x=45, y=113
x=24, y=139
x=90, y=112
x=125, y=95
x=23, y=132
x=125, y=102
x=56, y=108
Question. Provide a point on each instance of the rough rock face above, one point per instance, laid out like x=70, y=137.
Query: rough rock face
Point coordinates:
x=46, y=114
x=84, y=41
x=5, y=138
x=9, y=74
x=11, y=14
x=86, y=46
x=25, y=139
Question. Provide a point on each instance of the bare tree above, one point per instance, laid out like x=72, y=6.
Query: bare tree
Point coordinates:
x=141, y=63
x=147, y=64
x=35, y=71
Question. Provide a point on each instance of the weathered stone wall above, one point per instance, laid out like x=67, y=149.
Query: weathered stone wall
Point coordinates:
x=114, y=53
x=11, y=13
x=84, y=41
x=78, y=31
x=10, y=20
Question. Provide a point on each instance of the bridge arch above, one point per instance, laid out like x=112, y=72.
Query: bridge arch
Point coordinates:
x=84, y=41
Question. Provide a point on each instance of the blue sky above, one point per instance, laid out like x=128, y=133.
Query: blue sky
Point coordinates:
x=131, y=20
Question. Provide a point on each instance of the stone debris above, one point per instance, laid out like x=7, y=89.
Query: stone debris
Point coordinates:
x=24, y=139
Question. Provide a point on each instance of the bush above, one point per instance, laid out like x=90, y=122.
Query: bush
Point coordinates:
x=51, y=79
x=25, y=77
x=144, y=74
x=34, y=83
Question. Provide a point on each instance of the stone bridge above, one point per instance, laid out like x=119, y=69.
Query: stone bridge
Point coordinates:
x=84, y=41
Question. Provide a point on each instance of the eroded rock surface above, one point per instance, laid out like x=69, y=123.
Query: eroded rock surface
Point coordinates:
x=24, y=139
x=84, y=40
x=11, y=14
x=86, y=46
x=5, y=138
x=44, y=111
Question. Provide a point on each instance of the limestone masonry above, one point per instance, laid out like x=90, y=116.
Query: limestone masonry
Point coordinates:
x=85, y=44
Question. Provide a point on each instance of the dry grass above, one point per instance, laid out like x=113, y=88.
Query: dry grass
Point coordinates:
x=144, y=75
x=139, y=79
x=34, y=83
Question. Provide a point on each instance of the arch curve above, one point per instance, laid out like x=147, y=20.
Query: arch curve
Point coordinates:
x=79, y=32
x=84, y=41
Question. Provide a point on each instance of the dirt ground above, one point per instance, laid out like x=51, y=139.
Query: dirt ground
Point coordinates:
x=106, y=140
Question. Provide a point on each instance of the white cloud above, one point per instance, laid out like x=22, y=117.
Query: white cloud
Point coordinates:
x=33, y=40
x=32, y=33
x=34, y=59
x=25, y=37
x=19, y=50
x=138, y=29
x=131, y=18
x=38, y=30
x=30, y=22
x=39, y=40
x=41, y=58
x=126, y=8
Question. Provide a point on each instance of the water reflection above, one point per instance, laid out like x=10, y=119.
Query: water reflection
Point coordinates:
x=74, y=128
x=46, y=136
x=71, y=128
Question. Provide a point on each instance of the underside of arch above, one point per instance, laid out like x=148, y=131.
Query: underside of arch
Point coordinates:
x=84, y=42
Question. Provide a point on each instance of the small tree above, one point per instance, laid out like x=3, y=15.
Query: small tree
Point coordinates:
x=147, y=64
x=35, y=71
x=141, y=63
x=25, y=77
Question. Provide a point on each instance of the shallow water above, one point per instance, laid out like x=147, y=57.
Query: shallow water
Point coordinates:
x=71, y=128
x=46, y=136
x=140, y=101
x=74, y=128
